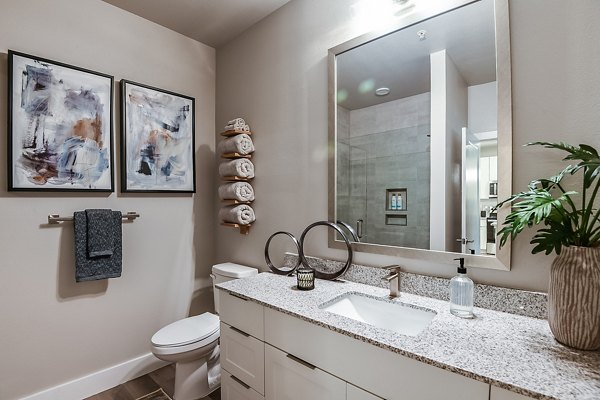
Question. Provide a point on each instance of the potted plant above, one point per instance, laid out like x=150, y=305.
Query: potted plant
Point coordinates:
x=570, y=227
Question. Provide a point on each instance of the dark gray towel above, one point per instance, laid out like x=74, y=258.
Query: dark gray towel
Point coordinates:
x=100, y=233
x=92, y=268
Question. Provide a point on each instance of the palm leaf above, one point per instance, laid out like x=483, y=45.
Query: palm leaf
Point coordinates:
x=533, y=207
x=547, y=202
x=553, y=238
x=587, y=155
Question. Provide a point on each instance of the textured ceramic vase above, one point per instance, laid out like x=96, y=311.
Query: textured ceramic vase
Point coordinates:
x=574, y=298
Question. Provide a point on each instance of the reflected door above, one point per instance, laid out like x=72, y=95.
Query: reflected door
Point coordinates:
x=470, y=212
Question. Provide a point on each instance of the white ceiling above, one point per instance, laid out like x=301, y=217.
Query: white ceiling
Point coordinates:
x=212, y=22
x=400, y=61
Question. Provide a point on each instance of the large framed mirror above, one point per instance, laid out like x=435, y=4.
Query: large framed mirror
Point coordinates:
x=420, y=128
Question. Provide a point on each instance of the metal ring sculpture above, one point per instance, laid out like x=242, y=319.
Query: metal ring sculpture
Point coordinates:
x=281, y=271
x=319, y=274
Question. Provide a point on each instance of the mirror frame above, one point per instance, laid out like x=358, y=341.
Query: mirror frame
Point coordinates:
x=503, y=78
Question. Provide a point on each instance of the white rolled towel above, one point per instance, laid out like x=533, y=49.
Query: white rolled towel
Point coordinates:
x=241, y=167
x=234, y=127
x=241, y=191
x=237, y=124
x=246, y=128
x=241, y=214
x=241, y=144
x=237, y=121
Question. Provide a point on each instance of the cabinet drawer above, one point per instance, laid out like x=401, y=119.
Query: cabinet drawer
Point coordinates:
x=234, y=389
x=290, y=378
x=243, y=356
x=354, y=393
x=243, y=314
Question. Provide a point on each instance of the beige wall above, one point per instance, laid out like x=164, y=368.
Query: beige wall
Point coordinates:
x=52, y=329
x=275, y=76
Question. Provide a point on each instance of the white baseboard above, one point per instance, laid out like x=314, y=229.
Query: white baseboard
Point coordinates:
x=100, y=381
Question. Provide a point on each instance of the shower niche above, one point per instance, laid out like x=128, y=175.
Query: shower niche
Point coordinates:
x=396, y=207
x=395, y=199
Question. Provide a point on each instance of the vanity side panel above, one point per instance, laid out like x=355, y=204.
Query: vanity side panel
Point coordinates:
x=381, y=372
x=497, y=393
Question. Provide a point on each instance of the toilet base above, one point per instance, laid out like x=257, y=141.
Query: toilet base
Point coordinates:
x=192, y=380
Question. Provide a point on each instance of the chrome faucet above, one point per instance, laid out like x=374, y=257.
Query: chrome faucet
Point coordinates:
x=394, y=280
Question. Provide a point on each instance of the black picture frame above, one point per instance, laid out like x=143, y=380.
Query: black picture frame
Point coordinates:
x=60, y=126
x=157, y=140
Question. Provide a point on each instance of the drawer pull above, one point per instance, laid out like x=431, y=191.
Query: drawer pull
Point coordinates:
x=240, y=382
x=238, y=296
x=239, y=331
x=300, y=361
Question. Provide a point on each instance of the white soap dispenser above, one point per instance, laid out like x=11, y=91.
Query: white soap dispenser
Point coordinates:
x=461, y=293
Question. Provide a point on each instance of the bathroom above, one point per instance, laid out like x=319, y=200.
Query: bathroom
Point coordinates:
x=274, y=74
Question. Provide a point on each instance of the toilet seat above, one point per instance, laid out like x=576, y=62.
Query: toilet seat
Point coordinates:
x=187, y=334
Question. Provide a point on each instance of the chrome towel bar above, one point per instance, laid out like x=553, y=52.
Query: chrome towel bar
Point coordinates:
x=54, y=219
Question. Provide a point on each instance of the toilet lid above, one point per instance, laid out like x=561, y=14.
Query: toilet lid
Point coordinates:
x=233, y=270
x=187, y=330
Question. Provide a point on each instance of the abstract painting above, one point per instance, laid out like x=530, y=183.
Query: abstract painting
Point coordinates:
x=157, y=140
x=60, y=126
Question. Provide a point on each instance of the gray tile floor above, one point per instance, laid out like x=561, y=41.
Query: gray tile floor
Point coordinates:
x=161, y=378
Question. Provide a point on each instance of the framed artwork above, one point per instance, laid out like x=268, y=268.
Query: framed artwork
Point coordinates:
x=60, y=120
x=157, y=140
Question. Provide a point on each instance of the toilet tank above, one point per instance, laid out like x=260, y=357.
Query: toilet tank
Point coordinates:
x=226, y=272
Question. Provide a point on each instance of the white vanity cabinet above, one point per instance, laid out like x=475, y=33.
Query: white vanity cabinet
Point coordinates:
x=497, y=393
x=270, y=355
x=242, y=348
x=377, y=371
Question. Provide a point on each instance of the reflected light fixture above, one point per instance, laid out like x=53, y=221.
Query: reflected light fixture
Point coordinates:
x=382, y=91
x=372, y=14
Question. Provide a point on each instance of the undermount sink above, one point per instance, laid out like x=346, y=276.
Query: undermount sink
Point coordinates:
x=398, y=317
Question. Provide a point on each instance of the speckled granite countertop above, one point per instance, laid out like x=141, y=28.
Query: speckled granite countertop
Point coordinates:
x=510, y=351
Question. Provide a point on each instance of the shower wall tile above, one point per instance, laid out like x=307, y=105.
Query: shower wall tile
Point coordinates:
x=343, y=123
x=392, y=139
x=395, y=114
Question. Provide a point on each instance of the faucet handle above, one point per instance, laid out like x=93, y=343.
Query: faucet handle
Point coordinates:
x=394, y=279
x=394, y=272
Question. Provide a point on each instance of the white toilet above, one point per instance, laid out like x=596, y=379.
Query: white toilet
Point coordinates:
x=193, y=343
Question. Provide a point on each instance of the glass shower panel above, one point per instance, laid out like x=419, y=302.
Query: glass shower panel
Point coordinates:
x=352, y=187
x=358, y=192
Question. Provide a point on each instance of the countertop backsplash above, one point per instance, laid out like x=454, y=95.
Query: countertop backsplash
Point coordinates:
x=513, y=301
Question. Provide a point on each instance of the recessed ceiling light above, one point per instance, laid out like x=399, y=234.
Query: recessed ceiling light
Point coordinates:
x=382, y=91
